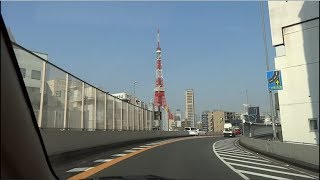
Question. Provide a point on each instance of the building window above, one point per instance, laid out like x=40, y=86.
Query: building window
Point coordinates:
x=23, y=72
x=36, y=74
x=313, y=124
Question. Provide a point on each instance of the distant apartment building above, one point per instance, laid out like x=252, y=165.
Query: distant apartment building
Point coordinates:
x=204, y=120
x=164, y=122
x=219, y=118
x=31, y=71
x=295, y=36
x=190, y=110
x=178, y=116
x=237, y=116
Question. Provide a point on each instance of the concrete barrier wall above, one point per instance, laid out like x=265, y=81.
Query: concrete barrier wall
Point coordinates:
x=300, y=154
x=57, y=141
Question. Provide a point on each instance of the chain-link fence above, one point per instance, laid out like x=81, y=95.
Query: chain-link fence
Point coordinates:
x=61, y=100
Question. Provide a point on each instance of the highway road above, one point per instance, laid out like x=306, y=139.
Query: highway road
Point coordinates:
x=182, y=158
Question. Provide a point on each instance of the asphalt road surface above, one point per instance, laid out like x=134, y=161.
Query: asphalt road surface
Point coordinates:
x=183, y=158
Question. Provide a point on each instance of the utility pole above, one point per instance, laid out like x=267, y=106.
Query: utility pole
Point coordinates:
x=268, y=68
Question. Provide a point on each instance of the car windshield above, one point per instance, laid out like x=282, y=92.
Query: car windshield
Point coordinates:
x=122, y=88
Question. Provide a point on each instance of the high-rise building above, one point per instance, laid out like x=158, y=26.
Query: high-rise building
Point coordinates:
x=190, y=111
x=204, y=120
x=295, y=36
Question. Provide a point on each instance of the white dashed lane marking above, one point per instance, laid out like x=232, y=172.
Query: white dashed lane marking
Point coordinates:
x=103, y=160
x=250, y=166
x=80, y=169
x=145, y=146
x=119, y=155
x=129, y=151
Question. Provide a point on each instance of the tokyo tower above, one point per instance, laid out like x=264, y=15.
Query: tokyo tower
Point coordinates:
x=159, y=90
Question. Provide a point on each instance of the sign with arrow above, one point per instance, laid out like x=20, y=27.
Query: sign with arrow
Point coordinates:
x=274, y=80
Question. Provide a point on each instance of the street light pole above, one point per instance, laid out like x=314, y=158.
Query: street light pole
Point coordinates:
x=268, y=68
x=134, y=99
x=134, y=92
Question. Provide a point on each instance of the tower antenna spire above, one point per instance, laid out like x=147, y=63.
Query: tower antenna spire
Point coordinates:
x=158, y=35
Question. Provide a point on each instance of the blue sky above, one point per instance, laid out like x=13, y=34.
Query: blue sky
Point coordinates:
x=215, y=48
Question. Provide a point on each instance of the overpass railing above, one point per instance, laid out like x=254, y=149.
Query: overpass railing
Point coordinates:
x=61, y=100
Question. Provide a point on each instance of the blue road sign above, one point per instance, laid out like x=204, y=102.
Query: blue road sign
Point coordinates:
x=274, y=80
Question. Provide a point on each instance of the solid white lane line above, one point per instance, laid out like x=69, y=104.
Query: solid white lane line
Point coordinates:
x=241, y=155
x=233, y=169
x=237, y=157
x=263, y=175
x=119, y=155
x=80, y=169
x=271, y=170
x=137, y=148
x=129, y=151
x=103, y=160
x=250, y=162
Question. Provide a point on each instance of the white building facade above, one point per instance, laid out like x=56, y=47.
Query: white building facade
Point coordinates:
x=295, y=36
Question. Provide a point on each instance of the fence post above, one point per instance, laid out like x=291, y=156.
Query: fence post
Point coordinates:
x=113, y=115
x=95, y=110
x=65, y=103
x=82, y=107
x=134, y=117
x=40, y=115
x=121, y=116
x=105, y=111
x=127, y=116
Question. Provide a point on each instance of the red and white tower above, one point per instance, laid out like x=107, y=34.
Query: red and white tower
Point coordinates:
x=159, y=90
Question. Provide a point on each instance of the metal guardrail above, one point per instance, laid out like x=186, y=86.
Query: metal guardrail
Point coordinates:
x=63, y=101
x=264, y=131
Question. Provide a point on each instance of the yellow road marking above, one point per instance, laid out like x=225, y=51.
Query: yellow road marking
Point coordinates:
x=105, y=165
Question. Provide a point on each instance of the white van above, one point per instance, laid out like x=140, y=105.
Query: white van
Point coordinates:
x=192, y=131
